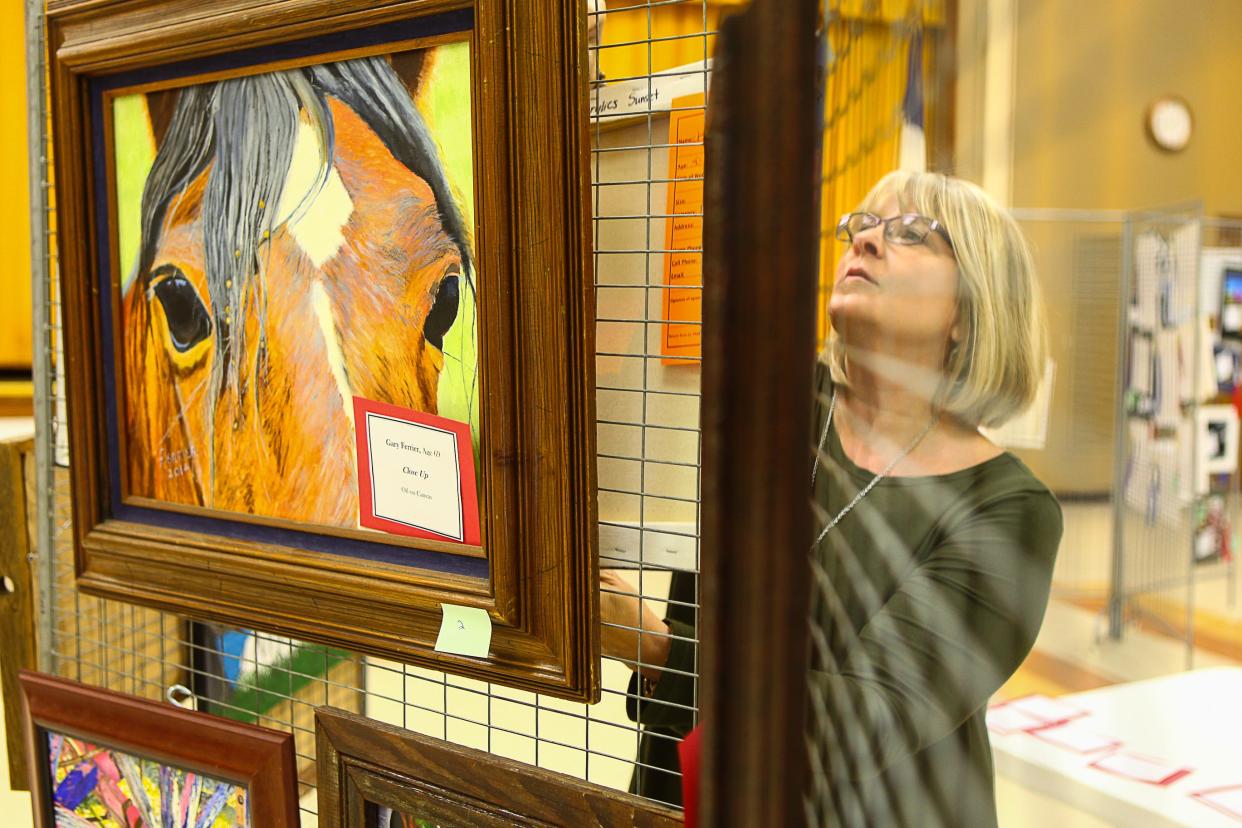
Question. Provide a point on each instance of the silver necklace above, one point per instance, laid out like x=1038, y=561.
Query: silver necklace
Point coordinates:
x=832, y=406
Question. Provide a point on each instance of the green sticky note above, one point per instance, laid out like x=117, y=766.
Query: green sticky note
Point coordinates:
x=464, y=631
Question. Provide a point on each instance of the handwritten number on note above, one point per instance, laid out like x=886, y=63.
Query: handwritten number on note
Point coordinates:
x=464, y=631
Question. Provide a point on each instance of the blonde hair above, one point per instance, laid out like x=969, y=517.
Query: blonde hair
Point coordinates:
x=993, y=373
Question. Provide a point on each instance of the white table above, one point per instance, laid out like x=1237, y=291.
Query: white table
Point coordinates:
x=1190, y=719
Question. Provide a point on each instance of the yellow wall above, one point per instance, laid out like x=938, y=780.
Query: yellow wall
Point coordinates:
x=1086, y=72
x=677, y=31
x=1084, y=75
x=15, y=307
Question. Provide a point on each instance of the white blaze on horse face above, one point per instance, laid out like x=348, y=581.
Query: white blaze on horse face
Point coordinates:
x=336, y=358
x=322, y=307
x=316, y=213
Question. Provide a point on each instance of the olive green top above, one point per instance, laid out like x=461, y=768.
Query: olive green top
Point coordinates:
x=927, y=597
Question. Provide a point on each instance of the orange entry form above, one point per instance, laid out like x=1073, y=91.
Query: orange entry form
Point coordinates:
x=682, y=342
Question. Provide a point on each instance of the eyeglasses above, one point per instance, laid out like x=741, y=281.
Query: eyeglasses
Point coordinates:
x=909, y=228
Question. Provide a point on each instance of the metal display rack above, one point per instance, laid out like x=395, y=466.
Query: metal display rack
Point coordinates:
x=1175, y=493
x=648, y=473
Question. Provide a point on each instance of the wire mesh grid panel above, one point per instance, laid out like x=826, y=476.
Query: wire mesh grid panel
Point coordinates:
x=648, y=104
x=1177, y=426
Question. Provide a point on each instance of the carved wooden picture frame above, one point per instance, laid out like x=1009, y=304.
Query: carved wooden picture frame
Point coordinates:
x=17, y=595
x=366, y=765
x=233, y=313
x=98, y=754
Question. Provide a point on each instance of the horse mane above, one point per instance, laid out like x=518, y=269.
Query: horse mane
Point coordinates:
x=244, y=129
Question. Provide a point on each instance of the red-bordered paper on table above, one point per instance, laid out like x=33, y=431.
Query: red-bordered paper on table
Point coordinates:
x=1075, y=737
x=1227, y=800
x=1026, y=713
x=1139, y=768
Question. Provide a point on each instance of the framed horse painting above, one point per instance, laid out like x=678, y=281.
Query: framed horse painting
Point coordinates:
x=329, y=321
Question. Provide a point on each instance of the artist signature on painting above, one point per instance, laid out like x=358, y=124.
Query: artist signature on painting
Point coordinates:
x=176, y=464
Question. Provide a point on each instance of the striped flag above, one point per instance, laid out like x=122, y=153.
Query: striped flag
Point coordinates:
x=913, y=142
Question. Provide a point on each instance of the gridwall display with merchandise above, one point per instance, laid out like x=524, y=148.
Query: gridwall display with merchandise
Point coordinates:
x=654, y=58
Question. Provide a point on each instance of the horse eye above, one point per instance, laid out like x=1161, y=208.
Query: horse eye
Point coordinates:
x=443, y=311
x=188, y=320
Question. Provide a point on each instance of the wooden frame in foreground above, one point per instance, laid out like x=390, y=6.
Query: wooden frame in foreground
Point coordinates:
x=760, y=214
x=256, y=758
x=535, y=572
x=364, y=764
x=17, y=597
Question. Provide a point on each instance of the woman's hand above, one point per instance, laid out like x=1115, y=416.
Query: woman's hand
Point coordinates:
x=647, y=652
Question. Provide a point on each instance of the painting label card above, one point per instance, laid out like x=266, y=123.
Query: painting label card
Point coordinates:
x=683, y=235
x=464, y=631
x=415, y=473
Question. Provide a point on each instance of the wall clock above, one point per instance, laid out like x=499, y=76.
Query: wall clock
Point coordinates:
x=1170, y=123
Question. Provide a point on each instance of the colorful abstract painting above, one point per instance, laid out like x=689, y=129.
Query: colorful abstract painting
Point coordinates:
x=285, y=241
x=100, y=787
x=377, y=816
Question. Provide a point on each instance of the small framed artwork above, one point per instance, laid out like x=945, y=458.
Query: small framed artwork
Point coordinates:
x=329, y=321
x=374, y=775
x=1231, y=302
x=101, y=758
x=1217, y=441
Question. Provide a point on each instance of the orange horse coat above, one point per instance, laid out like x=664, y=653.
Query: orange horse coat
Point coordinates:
x=279, y=442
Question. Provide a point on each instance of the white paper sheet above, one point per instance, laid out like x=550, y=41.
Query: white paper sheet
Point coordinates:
x=1226, y=800
x=1169, y=358
x=1028, y=712
x=1141, y=365
x=1212, y=263
x=1138, y=476
x=1140, y=768
x=1214, y=444
x=1185, y=248
x=1197, y=341
x=1029, y=430
x=1150, y=253
x=1004, y=720
x=1075, y=736
x=1046, y=708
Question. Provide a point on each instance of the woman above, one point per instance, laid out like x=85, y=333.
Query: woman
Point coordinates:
x=934, y=550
